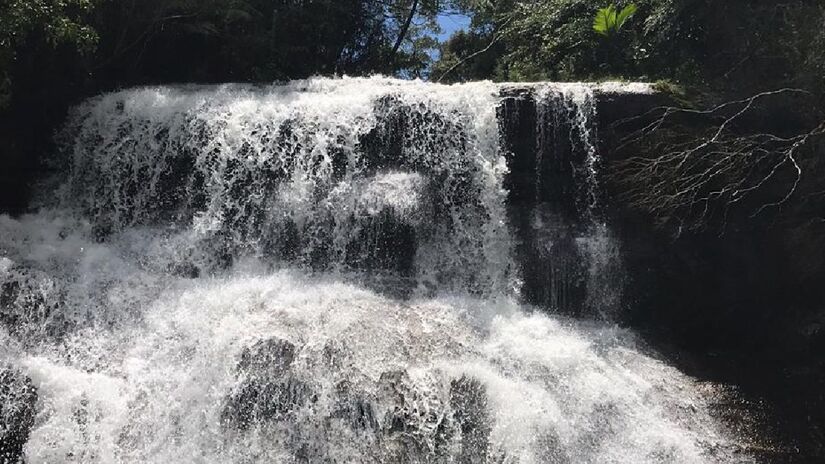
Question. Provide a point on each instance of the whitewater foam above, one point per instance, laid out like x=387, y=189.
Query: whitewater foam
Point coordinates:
x=199, y=292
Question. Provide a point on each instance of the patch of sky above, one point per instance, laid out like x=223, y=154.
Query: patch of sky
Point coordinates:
x=450, y=23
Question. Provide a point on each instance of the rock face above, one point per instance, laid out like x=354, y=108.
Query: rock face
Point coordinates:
x=392, y=418
x=268, y=391
x=30, y=301
x=468, y=400
x=556, y=203
x=744, y=307
x=743, y=304
x=18, y=400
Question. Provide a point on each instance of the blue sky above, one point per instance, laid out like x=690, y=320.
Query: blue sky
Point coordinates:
x=452, y=23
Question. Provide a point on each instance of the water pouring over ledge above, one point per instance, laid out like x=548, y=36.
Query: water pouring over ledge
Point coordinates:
x=326, y=271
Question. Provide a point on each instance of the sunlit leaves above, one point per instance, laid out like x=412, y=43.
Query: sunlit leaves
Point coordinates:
x=609, y=20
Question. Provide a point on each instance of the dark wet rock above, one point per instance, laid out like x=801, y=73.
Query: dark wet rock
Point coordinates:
x=31, y=302
x=101, y=231
x=547, y=200
x=384, y=242
x=553, y=265
x=468, y=399
x=403, y=127
x=208, y=255
x=415, y=426
x=270, y=358
x=336, y=355
x=18, y=400
x=268, y=391
x=394, y=390
x=354, y=408
x=257, y=402
x=185, y=269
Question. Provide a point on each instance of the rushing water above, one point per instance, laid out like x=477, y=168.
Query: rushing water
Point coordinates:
x=320, y=271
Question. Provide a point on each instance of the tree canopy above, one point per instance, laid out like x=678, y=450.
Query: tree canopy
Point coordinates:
x=55, y=52
x=738, y=45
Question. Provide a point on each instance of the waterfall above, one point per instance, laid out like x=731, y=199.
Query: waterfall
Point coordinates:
x=571, y=259
x=322, y=271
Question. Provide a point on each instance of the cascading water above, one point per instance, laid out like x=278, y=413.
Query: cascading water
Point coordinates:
x=571, y=260
x=574, y=106
x=321, y=271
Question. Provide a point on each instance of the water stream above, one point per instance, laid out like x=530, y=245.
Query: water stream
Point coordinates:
x=322, y=272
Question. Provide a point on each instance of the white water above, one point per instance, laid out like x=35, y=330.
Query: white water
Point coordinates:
x=167, y=314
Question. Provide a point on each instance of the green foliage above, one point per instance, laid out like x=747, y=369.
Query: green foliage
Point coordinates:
x=459, y=49
x=609, y=21
x=736, y=46
x=55, y=52
x=58, y=20
x=55, y=22
x=128, y=42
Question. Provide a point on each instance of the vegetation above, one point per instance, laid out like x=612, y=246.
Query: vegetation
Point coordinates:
x=52, y=22
x=610, y=20
x=737, y=46
x=55, y=52
x=689, y=169
x=696, y=170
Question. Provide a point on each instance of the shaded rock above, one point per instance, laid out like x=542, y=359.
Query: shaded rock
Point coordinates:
x=383, y=242
x=548, y=195
x=414, y=425
x=336, y=355
x=271, y=357
x=18, y=400
x=468, y=399
x=394, y=392
x=354, y=408
x=30, y=301
x=265, y=401
x=185, y=269
x=268, y=392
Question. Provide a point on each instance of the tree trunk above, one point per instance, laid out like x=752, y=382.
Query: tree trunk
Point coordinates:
x=404, y=29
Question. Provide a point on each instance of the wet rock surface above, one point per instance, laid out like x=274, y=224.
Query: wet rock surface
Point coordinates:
x=18, y=400
x=30, y=301
x=393, y=418
x=268, y=392
x=468, y=400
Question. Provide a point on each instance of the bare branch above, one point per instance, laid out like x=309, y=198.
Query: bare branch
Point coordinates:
x=693, y=174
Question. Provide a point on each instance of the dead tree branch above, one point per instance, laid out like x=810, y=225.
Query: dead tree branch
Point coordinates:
x=693, y=166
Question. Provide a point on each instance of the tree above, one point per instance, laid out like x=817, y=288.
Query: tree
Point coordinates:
x=56, y=22
x=739, y=46
x=55, y=52
x=469, y=56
